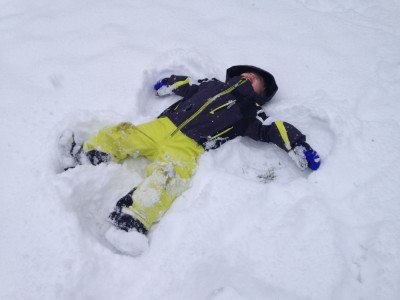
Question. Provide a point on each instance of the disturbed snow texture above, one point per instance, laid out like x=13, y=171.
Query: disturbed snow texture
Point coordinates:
x=252, y=226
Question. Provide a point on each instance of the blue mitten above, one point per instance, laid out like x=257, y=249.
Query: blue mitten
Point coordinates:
x=160, y=84
x=304, y=156
x=313, y=159
x=162, y=88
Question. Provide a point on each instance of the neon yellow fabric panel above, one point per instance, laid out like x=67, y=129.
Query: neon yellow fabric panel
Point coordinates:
x=174, y=159
x=283, y=133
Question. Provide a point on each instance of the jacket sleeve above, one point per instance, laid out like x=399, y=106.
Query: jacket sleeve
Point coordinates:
x=280, y=133
x=182, y=85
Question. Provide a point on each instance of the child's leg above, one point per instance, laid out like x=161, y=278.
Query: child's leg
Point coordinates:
x=154, y=196
x=150, y=199
x=167, y=178
x=147, y=203
x=121, y=141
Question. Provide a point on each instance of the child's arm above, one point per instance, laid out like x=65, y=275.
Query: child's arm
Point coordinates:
x=179, y=85
x=286, y=137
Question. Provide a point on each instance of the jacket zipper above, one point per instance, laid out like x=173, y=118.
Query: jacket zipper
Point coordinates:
x=209, y=101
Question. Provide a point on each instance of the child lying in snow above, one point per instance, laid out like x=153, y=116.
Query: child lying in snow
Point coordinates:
x=209, y=114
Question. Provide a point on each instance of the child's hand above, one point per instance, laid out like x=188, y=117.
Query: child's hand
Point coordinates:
x=162, y=88
x=313, y=159
x=304, y=156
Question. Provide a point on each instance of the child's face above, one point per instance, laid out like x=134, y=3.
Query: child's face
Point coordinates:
x=256, y=81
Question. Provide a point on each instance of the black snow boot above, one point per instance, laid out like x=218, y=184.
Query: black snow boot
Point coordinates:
x=76, y=156
x=125, y=221
x=97, y=157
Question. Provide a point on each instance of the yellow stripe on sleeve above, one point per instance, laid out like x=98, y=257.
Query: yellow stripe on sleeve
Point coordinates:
x=283, y=133
x=180, y=83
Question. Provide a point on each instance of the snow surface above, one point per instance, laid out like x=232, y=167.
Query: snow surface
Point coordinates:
x=252, y=226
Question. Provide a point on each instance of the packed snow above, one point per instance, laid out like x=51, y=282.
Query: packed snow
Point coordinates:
x=252, y=225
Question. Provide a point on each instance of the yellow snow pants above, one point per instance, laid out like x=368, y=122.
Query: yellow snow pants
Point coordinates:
x=174, y=159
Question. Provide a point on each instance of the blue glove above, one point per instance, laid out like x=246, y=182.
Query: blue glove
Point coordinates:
x=162, y=88
x=313, y=159
x=305, y=157
x=159, y=84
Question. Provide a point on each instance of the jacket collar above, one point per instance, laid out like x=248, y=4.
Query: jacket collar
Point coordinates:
x=245, y=91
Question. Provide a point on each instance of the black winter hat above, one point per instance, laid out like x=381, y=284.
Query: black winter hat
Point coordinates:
x=269, y=80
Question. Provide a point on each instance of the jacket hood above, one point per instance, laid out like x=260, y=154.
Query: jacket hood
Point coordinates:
x=269, y=80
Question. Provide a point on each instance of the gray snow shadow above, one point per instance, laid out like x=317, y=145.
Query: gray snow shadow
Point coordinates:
x=322, y=137
x=233, y=283
x=326, y=5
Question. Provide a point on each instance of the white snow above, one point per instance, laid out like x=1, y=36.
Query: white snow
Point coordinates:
x=252, y=226
x=131, y=243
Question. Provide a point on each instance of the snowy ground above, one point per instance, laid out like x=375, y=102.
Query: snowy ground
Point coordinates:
x=252, y=226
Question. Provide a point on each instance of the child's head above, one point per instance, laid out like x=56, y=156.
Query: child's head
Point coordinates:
x=256, y=81
x=263, y=82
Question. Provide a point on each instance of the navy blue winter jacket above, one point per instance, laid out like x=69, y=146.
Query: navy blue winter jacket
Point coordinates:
x=212, y=112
